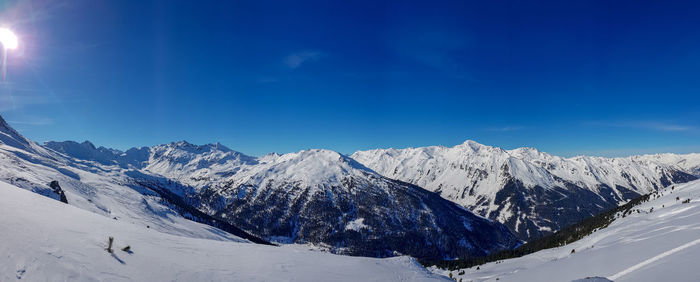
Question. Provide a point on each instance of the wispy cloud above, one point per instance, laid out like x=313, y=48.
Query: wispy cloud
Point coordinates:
x=665, y=126
x=38, y=121
x=506, y=128
x=649, y=125
x=19, y=98
x=296, y=60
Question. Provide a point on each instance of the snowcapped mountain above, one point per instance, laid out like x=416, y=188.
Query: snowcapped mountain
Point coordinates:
x=313, y=196
x=112, y=194
x=46, y=240
x=323, y=197
x=372, y=203
x=134, y=157
x=532, y=192
x=658, y=241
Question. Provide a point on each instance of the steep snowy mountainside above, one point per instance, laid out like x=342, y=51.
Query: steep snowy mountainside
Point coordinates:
x=660, y=242
x=10, y=138
x=46, y=240
x=532, y=192
x=323, y=197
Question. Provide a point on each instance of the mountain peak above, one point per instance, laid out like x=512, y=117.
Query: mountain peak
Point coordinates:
x=319, y=157
x=7, y=129
x=471, y=143
x=321, y=153
x=3, y=125
x=476, y=146
x=187, y=146
x=89, y=144
x=220, y=147
x=314, y=166
x=526, y=153
x=182, y=143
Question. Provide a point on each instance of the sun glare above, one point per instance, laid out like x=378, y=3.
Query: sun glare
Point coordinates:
x=8, y=38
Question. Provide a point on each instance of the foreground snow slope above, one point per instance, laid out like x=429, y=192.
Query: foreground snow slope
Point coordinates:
x=663, y=245
x=45, y=240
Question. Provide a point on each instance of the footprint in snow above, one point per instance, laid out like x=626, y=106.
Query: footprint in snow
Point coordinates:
x=20, y=272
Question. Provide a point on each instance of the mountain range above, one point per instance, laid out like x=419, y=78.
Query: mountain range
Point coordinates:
x=319, y=197
x=428, y=202
x=532, y=192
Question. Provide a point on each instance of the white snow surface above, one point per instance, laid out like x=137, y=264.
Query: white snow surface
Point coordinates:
x=357, y=224
x=663, y=245
x=46, y=240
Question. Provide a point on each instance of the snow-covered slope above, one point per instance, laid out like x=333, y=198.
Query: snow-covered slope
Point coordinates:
x=111, y=194
x=660, y=243
x=532, y=192
x=46, y=240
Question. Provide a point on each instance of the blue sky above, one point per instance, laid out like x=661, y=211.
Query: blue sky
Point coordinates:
x=610, y=78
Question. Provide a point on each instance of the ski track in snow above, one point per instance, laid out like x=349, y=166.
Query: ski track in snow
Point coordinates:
x=662, y=245
x=653, y=259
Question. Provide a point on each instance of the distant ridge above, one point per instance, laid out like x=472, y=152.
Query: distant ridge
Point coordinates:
x=532, y=192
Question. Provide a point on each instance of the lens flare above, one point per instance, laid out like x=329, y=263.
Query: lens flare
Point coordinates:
x=8, y=38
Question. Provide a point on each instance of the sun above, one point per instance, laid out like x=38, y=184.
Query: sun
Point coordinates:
x=8, y=38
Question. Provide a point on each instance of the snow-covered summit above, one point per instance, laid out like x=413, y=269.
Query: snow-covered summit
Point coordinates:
x=199, y=161
x=312, y=167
